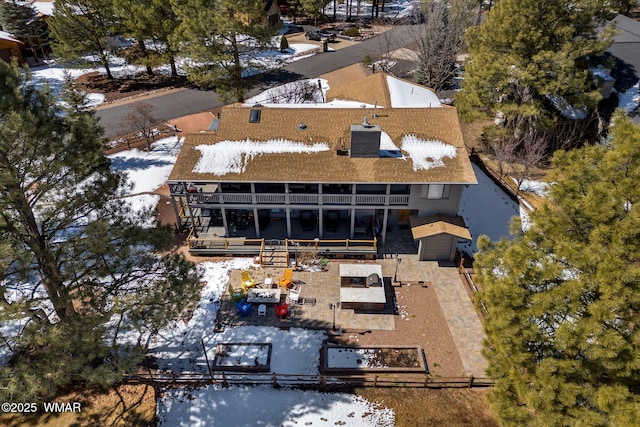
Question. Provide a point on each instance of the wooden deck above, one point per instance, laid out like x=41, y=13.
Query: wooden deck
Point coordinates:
x=212, y=244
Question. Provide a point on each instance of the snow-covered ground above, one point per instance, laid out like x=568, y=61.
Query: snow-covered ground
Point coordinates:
x=486, y=209
x=53, y=74
x=265, y=406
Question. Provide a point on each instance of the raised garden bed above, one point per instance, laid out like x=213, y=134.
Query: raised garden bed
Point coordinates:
x=350, y=359
x=243, y=357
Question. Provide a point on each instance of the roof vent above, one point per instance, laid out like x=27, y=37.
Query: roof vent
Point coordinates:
x=302, y=126
x=254, y=116
x=365, y=123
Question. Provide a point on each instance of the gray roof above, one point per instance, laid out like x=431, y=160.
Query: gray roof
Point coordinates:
x=626, y=49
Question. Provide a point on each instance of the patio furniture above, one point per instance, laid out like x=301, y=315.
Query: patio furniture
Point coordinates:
x=247, y=280
x=262, y=310
x=285, y=281
x=236, y=296
x=294, y=296
x=282, y=310
x=264, y=296
x=243, y=308
x=268, y=282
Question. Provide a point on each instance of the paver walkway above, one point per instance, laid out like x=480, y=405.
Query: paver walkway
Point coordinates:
x=462, y=319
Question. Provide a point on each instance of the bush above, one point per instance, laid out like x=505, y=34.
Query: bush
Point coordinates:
x=367, y=61
x=352, y=32
x=284, y=44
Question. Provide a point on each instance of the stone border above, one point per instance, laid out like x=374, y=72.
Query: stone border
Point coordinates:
x=421, y=358
x=260, y=368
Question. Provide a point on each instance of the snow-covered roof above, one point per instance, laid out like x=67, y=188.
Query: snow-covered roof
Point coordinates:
x=43, y=7
x=6, y=36
x=408, y=95
x=263, y=142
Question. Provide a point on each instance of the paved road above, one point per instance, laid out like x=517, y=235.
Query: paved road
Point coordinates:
x=190, y=101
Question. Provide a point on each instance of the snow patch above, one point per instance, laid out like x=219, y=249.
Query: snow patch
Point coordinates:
x=427, y=154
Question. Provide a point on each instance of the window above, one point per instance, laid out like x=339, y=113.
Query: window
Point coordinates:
x=435, y=191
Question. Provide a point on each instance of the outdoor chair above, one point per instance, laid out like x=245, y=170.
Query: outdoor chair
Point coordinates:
x=294, y=296
x=247, y=280
x=236, y=296
x=282, y=311
x=285, y=281
x=262, y=310
x=243, y=308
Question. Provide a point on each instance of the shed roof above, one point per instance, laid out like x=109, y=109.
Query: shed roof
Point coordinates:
x=433, y=225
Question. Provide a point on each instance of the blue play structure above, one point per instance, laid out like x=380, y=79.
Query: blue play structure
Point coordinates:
x=243, y=308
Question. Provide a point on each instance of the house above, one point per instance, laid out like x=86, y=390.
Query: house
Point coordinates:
x=380, y=154
x=10, y=47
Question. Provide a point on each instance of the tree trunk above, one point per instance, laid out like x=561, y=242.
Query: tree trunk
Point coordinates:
x=145, y=54
x=47, y=266
x=237, y=70
x=334, y=10
x=174, y=69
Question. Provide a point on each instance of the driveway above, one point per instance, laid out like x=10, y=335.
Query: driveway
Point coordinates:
x=177, y=103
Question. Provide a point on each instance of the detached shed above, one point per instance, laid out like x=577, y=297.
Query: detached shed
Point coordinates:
x=438, y=236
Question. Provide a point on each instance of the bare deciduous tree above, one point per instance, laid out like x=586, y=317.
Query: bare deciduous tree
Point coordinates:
x=440, y=40
x=141, y=119
x=295, y=93
x=533, y=150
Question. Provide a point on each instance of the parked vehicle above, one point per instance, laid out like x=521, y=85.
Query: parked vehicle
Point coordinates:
x=319, y=35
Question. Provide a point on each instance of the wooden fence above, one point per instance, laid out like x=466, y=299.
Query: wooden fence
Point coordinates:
x=309, y=381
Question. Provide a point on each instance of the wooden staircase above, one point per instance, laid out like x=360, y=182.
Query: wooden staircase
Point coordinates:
x=275, y=253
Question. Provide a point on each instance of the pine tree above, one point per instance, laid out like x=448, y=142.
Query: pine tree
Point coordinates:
x=84, y=27
x=21, y=20
x=527, y=51
x=562, y=298
x=222, y=40
x=74, y=260
x=284, y=44
x=152, y=22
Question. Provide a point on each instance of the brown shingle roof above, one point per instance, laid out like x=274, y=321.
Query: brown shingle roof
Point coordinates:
x=438, y=224
x=331, y=126
x=369, y=90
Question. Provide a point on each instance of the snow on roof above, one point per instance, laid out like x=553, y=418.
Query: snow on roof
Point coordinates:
x=6, y=36
x=427, y=154
x=43, y=7
x=232, y=156
x=630, y=99
x=407, y=95
x=386, y=143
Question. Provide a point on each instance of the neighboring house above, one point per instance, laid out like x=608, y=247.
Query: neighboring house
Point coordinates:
x=333, y=175
x=10, y=47
x=625, y=48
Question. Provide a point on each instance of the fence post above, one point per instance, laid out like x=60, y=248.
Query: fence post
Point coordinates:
x=173, y=378
x=225, y=384
x=207, y=359
x=275, y=380
x=426, y=381
x=324, y=381
x=375, y=381
x=470, y=381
